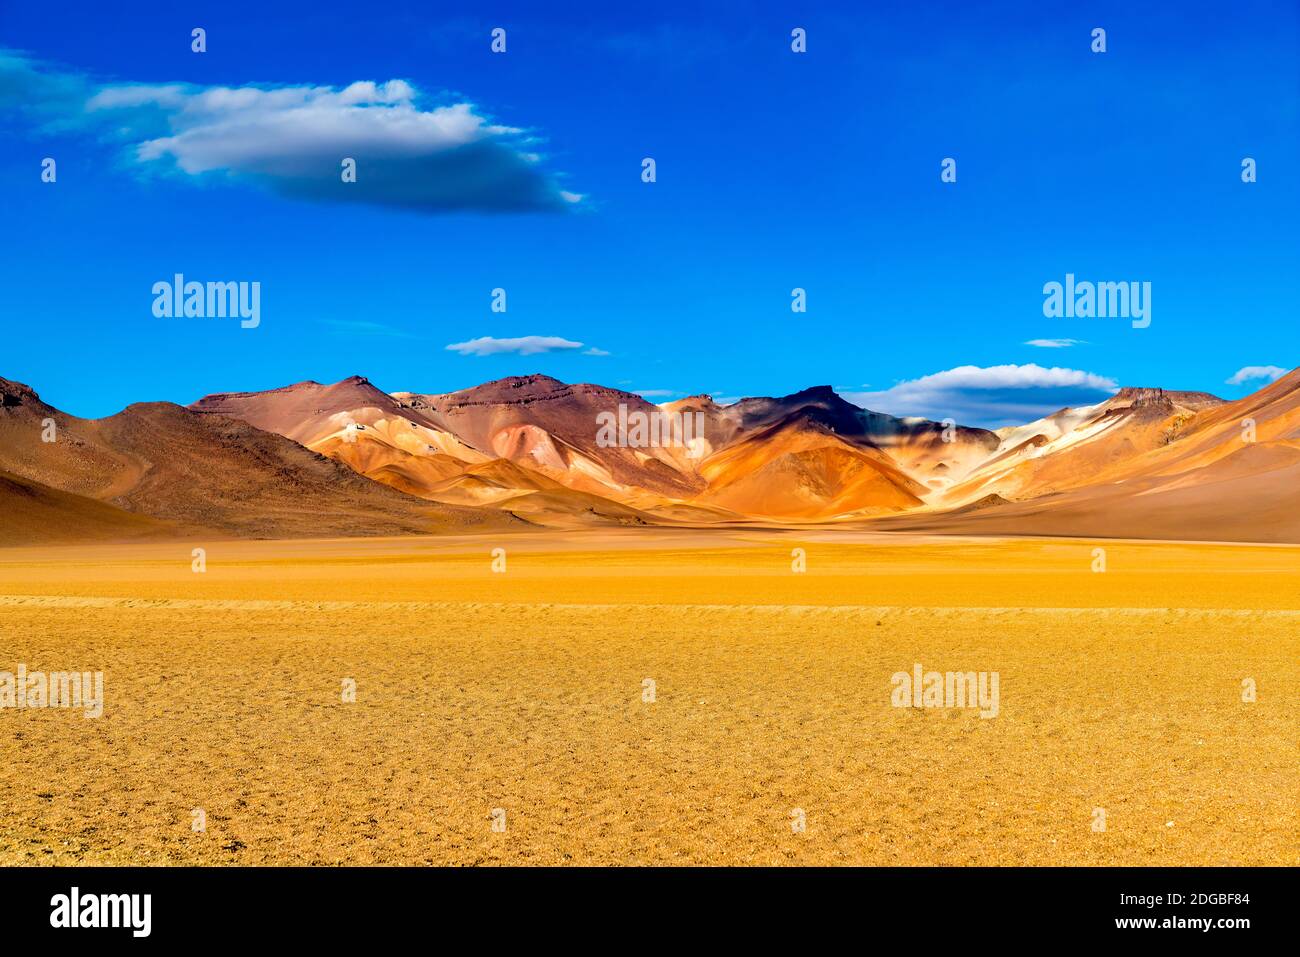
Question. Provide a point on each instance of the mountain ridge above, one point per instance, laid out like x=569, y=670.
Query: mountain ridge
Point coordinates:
x=529, y=450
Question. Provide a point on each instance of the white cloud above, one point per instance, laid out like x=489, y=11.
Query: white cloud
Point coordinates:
x=524, y=345
x=280, y=132
x=655, y=393
x=1246, y=373
x=593, y=351
x=411, y=150
x=990, y=396
x=1054, y=343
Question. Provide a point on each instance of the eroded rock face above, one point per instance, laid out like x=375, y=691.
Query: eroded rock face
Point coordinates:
x=15, y=393
x=1169, y=398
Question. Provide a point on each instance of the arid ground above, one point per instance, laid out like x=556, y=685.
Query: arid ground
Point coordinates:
x=522, y=690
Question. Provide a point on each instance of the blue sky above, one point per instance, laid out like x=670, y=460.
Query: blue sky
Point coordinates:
x=775, y=170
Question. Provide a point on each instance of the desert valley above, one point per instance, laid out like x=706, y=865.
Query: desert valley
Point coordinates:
x=339, y=625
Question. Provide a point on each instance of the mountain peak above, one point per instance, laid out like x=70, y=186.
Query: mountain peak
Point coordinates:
x=15, y=393
x=515, y=388
x=701, y=400
x=1144, y=396
x=814, y=392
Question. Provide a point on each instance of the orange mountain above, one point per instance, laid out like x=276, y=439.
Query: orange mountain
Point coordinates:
x=350, y=459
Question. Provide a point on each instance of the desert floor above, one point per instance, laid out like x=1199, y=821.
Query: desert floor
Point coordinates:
x=523, y=690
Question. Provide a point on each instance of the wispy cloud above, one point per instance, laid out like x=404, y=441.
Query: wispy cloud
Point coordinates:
x=411, y=150
x=1247, y=373
x=593, y=351
x=1055, y=343
x=364, y=327
x=664, y=45
x=524, y=346
x=990, y=396
x=655, y=393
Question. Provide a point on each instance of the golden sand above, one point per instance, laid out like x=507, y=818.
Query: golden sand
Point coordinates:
x=523, y=690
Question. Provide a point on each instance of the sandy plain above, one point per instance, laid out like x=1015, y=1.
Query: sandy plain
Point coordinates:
x=522, y=690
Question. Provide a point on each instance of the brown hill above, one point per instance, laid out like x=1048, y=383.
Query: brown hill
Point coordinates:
x=902, y=455
x=1144, y=463
x=1158, y=466
x=431, y=445
x=800, y=468
x=35, y=513
x=1078, y=447
x=205, y=473
x=554, y=428
x=828, y=481
x=352, y=421
x=304, y=411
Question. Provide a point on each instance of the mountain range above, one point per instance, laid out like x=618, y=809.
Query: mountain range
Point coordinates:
x=316, y=460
